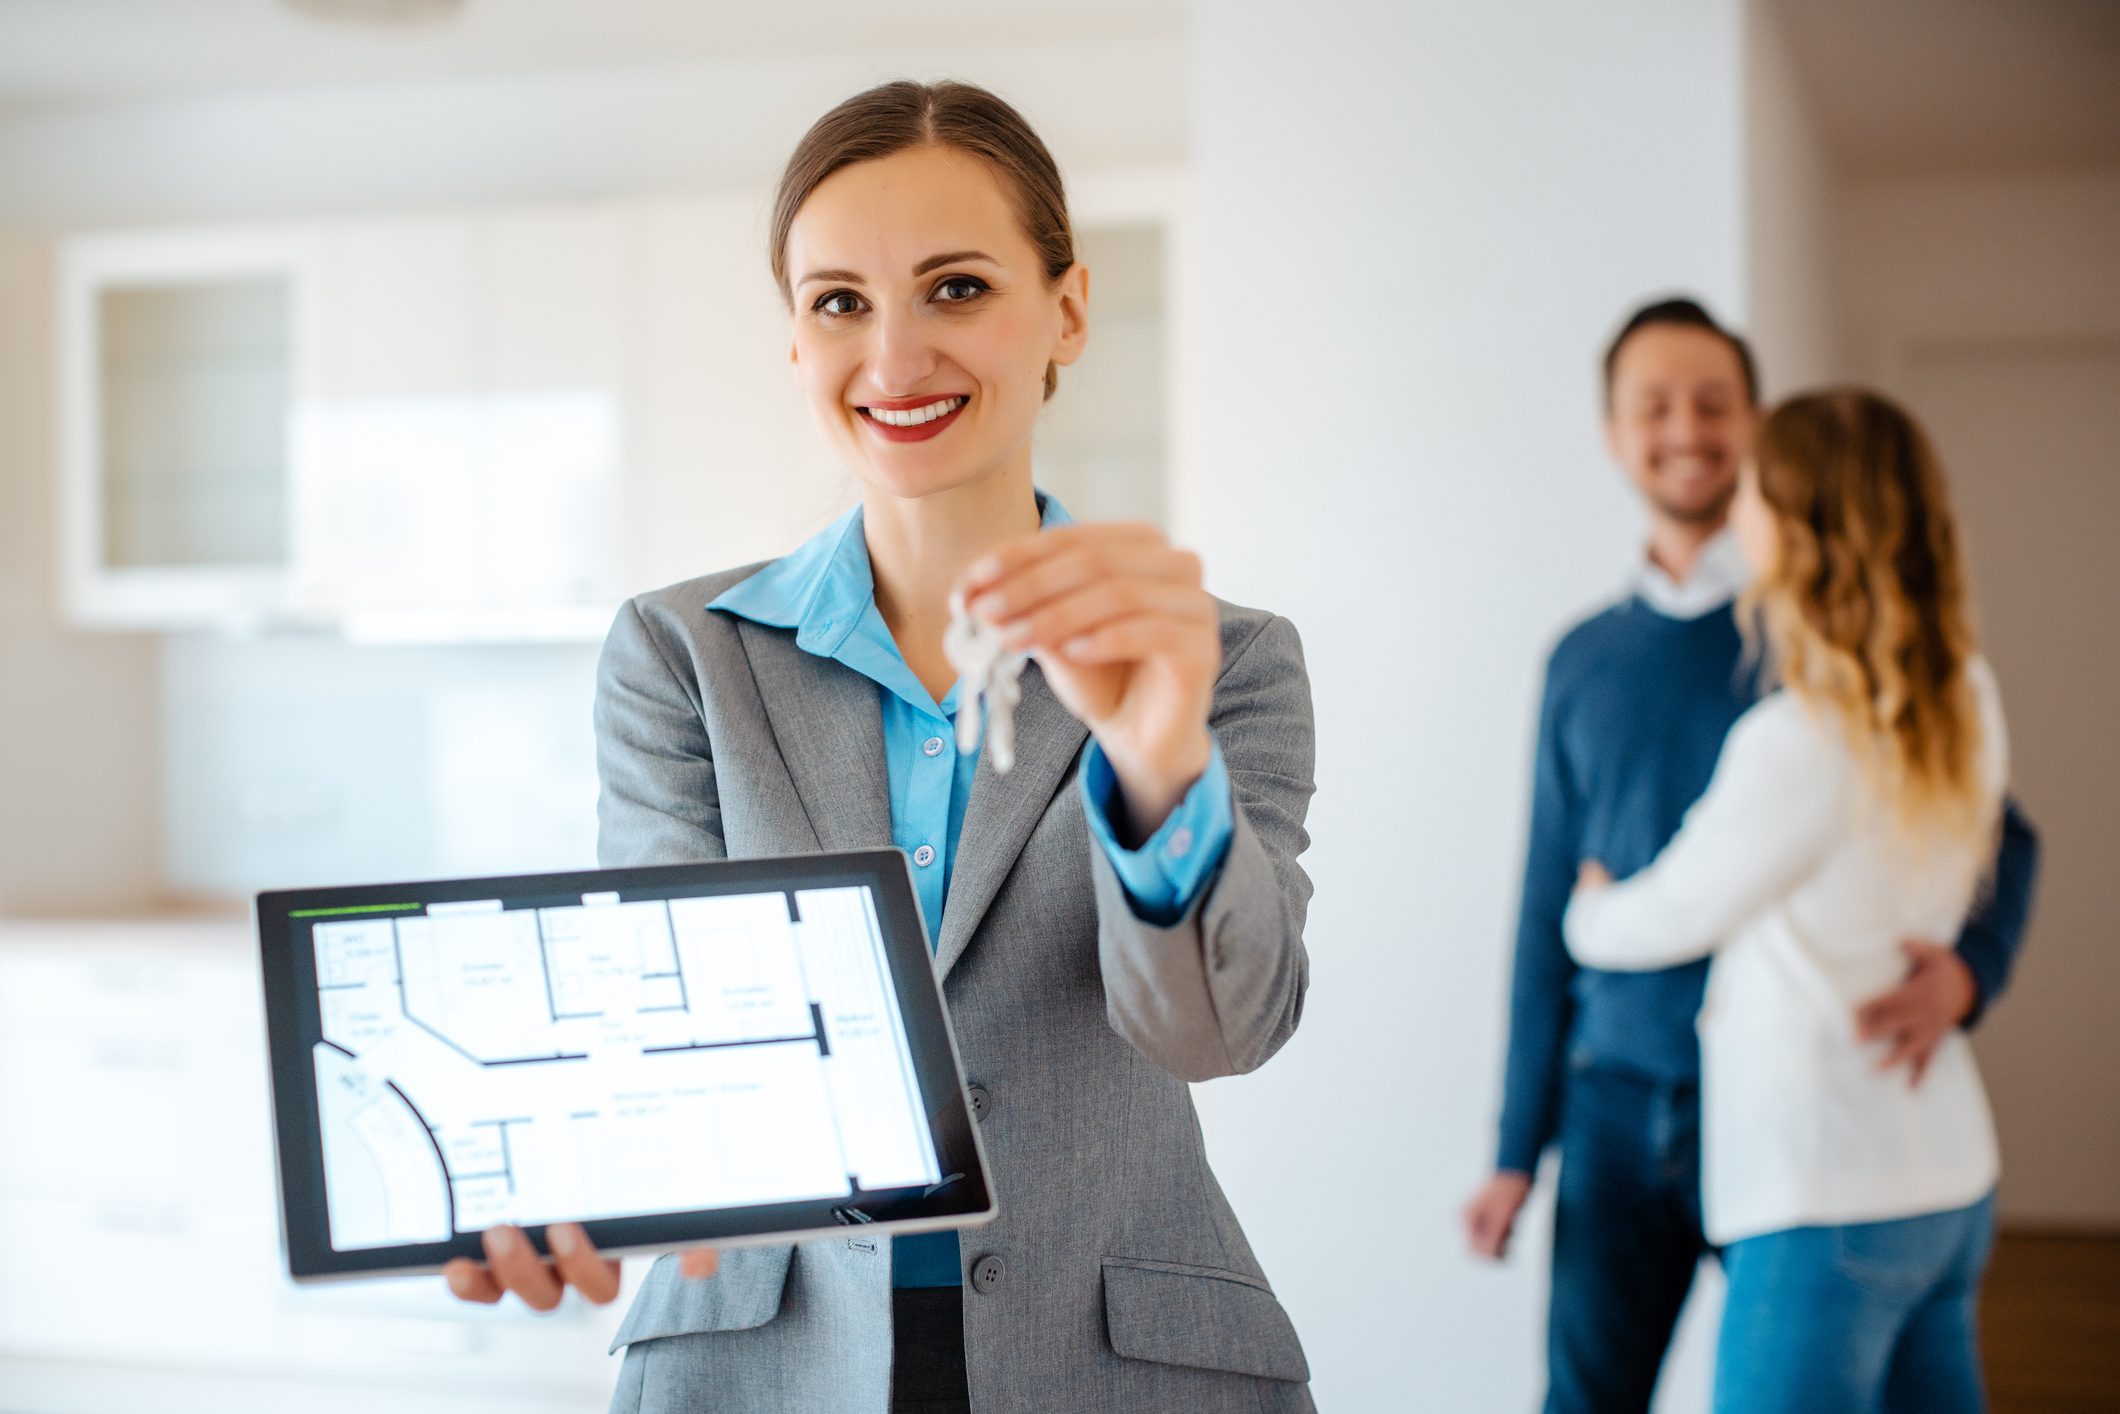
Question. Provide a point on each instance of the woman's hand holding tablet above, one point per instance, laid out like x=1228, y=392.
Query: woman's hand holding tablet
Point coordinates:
x=512, y=1264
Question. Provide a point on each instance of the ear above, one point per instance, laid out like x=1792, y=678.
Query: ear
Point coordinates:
x=1073, y=334
x=1612, y=438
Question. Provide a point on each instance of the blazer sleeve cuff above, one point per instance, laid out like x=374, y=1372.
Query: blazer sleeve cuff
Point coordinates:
x=1170, y=871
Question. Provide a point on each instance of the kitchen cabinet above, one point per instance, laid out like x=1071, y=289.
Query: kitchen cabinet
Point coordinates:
x=409, y=428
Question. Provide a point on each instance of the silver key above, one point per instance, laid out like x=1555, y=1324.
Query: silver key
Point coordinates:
x=988, y=669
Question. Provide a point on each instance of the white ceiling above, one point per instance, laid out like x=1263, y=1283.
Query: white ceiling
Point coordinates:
x=1926, y=87
x=66, y=51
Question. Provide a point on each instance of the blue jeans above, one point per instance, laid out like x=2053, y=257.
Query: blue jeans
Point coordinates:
x=1626, y=1237
x=1856, y=1319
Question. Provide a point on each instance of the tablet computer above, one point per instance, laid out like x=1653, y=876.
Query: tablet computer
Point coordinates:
x=731, y=1053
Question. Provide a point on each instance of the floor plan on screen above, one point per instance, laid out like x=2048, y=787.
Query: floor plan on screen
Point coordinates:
x=485, y=1064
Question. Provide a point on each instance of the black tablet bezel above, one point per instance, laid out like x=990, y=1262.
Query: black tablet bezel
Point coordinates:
x=294, y=1025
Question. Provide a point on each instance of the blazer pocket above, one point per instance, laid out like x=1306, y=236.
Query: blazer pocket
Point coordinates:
x=744, y=1292
x=1203, y=1317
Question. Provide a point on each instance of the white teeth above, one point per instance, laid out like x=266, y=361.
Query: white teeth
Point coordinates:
x=913, y=417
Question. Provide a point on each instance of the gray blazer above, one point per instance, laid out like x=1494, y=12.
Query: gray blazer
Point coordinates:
x=1127, y=1283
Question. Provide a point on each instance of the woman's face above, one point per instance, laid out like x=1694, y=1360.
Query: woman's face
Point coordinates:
x=923, y=321
x=1752, y=519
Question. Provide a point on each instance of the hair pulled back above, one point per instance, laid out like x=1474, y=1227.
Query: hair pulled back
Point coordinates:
x=897, y=117
x=1867, y=607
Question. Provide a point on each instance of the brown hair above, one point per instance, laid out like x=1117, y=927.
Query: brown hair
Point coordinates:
x=1867, y=607
x=895, y=117
x=1687, y=314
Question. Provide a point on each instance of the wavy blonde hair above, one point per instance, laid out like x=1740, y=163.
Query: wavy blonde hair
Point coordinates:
x=1867, y=609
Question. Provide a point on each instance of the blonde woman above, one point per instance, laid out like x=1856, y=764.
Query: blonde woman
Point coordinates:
x=1850, y=810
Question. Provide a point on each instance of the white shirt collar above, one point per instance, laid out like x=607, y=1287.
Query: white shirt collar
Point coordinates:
x=1719, y=574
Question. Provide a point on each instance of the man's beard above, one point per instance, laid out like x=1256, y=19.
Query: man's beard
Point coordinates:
x=1709, y=513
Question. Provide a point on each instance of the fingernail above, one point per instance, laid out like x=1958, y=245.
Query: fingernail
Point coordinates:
x=1018, y=632
x=500, y=1241
x=984, y=569
x=1076, y=647
x=560, y=1238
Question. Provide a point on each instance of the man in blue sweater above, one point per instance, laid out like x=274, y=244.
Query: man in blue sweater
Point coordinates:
x=1637, y=702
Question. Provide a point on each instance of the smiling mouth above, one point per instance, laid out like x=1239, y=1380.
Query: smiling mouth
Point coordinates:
x=916, y=416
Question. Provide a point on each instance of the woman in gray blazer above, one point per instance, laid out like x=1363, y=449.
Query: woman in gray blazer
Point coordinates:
x=1119, y=914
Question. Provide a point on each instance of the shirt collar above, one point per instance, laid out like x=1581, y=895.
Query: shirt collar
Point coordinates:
x=1719, y=575
x=826, y=592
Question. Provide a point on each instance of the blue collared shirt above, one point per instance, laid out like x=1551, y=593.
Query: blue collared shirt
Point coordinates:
x=826, y=592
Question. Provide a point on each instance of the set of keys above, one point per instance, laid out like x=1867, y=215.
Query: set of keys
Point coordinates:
x=988, y=670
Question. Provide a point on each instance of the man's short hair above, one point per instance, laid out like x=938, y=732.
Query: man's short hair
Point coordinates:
x=1689, y=314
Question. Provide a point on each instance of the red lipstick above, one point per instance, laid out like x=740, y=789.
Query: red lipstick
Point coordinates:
x=919, y=431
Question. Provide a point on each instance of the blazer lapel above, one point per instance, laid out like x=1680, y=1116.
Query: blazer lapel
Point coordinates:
x=1003, y=811
x=829, y=727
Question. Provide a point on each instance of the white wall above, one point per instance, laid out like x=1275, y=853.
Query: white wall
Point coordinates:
x=78, y=830
x=1789, y=207
x=1991, y=305
x=1417, y=224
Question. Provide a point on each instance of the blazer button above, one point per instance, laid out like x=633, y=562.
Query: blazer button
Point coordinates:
x=979, y=1100
x=986, y=1274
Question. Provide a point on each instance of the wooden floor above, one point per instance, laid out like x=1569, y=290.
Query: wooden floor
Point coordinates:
x=2050, y=1324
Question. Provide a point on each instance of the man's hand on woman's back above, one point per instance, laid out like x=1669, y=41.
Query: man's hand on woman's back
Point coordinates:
x=1915, y=1016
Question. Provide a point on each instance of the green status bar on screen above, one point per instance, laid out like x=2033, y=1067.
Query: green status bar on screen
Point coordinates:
x=353, y=908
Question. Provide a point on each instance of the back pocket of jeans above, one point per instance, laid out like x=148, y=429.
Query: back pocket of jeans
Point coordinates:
x=1905, y=1255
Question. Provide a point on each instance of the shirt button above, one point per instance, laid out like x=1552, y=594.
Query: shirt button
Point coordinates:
x=932, y=746
x=924, y=856
x=1180, y=843
x=986, y=1274
x=979, y=1100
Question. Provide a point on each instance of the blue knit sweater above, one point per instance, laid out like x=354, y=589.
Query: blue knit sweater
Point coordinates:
x=1636, y=707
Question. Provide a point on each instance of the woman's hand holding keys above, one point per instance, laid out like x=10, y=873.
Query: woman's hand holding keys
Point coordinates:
x=512, y=1264
x=1129, y=641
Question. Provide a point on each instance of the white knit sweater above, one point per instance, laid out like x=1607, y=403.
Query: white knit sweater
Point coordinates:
x=1800, y=885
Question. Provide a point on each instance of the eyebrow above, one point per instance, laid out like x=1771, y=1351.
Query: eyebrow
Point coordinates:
x=933, y=262
x=936, y=262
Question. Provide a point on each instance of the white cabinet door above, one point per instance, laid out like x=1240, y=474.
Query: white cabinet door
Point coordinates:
x=459, y=469
x=181, y=356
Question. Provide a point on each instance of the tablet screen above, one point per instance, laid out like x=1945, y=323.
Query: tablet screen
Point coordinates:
x=529, y=1058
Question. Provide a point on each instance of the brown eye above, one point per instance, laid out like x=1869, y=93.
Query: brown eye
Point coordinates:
x=838, y=304
x=959, y=288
